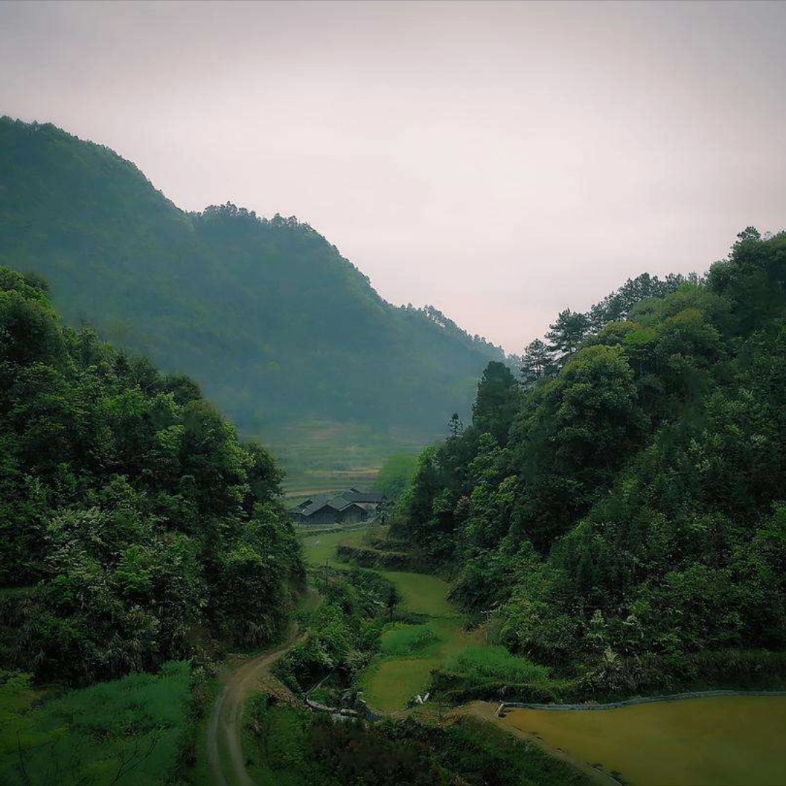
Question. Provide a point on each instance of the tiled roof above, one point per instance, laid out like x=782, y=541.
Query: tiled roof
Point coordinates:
x=339, y=502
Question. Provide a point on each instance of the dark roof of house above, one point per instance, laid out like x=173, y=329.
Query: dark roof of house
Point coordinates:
x=314, y=504
x=338, y=502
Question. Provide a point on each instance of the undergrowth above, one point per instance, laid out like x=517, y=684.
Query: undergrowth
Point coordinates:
x=138, y=729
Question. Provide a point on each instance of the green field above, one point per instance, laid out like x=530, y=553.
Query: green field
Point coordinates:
x=319, y=548
x=325, y=456
x=400, y=672
x=723, y=741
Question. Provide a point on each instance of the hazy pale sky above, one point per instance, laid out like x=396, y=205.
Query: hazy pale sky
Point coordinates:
x=501, y=161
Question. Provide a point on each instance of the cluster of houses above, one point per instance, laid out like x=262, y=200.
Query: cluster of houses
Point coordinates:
x=347, y=507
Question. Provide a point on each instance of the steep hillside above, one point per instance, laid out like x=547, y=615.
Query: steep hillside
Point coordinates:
x=623, y=512
x=278, y=328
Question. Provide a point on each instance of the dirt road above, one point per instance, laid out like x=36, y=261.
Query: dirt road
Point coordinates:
x=225, y=758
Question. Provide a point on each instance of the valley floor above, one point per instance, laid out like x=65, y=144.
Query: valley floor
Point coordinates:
x=723, y=741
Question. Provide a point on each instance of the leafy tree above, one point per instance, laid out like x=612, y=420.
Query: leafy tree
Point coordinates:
x=495, y=403
x=537, y=362
x=130, y=513
x=395, y=475
x=572, y=439
x=618, y=306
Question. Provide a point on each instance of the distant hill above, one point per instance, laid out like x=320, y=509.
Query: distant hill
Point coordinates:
x=282, y=332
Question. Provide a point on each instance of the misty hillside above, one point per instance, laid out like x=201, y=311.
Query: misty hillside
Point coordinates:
x=279, y=329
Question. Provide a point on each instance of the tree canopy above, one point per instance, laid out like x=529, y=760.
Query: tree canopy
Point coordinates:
x=630, y=503
x=131, y=515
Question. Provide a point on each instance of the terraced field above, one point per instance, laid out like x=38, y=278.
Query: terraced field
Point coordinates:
x=409, y=651
x=723, y=741
x=326, y=456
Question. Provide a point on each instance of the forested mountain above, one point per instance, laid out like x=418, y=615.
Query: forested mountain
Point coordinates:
x=133, y=523
x=621, y=512
x=276, y=326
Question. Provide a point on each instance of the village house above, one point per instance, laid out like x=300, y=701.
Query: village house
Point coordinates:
x=348, y=507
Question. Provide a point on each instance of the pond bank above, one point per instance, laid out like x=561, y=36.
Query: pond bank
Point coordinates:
x=614, y=705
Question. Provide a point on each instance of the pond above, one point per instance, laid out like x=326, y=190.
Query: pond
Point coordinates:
x=722, y=741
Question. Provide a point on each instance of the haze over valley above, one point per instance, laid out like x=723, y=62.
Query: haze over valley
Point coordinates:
x=264, y=521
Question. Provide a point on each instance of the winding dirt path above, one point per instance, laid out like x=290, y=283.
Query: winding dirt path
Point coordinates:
x=225, y=758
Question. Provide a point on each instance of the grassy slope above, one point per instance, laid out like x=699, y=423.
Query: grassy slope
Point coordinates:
x=403, y=668
x=130, y=731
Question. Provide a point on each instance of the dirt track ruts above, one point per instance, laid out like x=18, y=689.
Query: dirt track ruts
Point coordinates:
x=225, y=759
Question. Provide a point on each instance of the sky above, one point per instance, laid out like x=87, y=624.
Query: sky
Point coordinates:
x=501, y=161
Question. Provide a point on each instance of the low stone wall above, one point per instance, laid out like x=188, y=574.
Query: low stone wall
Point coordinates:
x=518, y=705
x=345, y=713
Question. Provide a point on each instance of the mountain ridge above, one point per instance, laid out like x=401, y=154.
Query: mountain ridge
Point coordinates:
x=276, y=325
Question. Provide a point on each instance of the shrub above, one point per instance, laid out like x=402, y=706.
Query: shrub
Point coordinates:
x=404, y=640
x=487, y=663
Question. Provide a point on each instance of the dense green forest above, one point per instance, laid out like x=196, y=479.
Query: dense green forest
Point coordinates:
x=134, y=525
x=275, y=325
x=619, y=514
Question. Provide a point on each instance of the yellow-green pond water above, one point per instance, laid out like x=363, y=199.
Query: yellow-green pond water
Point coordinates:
x=717, y=741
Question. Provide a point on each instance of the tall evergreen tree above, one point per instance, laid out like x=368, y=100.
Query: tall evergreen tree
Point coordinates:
x=567, y=332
